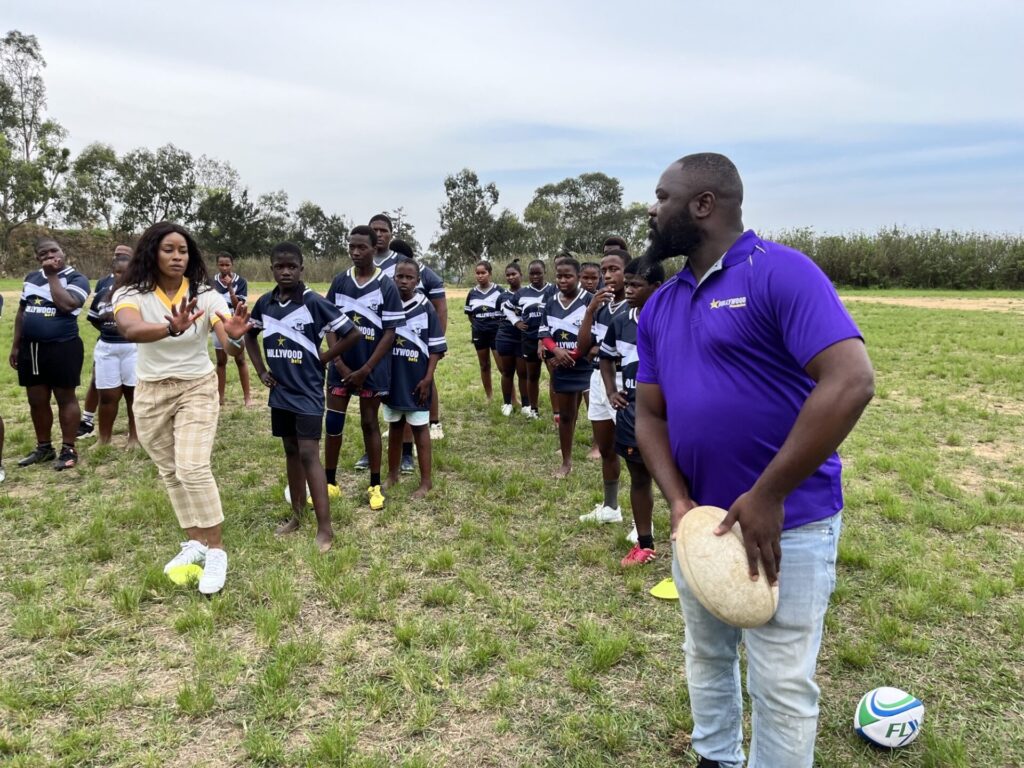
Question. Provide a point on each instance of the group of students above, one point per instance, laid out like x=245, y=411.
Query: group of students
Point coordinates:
x=584, y=330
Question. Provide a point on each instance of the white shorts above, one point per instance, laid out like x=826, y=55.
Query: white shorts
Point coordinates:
x=600, y=409
x=114, y=365
x=216, y=341
x=412, y=418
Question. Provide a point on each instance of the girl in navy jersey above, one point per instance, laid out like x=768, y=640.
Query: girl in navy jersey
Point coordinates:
x=530, y=301
x=570, y=368
x=509, y=343
x=482, y=308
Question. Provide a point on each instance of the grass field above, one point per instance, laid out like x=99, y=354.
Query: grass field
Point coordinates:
x=485, y=626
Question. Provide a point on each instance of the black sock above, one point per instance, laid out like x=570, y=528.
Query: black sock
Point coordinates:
x=611, y=493
x=508, y=400
x=69, y=446
x=374, y=478
x=526, y=402
x=332, y=476
x=46, y=445
x=434, y=422
x=645, y=541
x=407, y=449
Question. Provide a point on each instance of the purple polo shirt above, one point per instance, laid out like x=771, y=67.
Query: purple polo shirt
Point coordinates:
x=729, y=356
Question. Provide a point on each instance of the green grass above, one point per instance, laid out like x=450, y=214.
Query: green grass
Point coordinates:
x=485, y=625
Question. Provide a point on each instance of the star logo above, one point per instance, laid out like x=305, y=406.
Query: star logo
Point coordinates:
x=280, y=341
x=357, y=318
x=564, y=335
x=400, y=341
x=38, y=301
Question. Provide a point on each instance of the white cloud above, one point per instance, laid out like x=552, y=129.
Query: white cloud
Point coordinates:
x=362, y=107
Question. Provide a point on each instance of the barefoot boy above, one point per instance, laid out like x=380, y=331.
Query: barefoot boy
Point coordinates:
x=419, y=344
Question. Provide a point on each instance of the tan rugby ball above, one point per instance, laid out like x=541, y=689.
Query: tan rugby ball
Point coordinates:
x=715, y=569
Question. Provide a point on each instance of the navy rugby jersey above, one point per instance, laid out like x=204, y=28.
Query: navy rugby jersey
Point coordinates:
x=43, y=321
x=563, y=323
x=603, y=319
x=482, y=308
x=530, y=302
x=511, y=314
x=292, y=333
x=373, y=308
x=620, y=345
x=415, y=342
x=430, y=285
x=101, y=312
x=238, y=284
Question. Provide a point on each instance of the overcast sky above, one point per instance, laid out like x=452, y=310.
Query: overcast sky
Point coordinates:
x=840, y=116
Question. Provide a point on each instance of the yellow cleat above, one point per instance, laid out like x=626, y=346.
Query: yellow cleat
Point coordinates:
x=333, y=492
x=376, y=497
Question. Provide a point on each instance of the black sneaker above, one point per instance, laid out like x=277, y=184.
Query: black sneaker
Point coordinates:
x=68, y=458
x=364, y=462
x=39, y=453
x=705, y=763
x=408, y=465
x=85, y=430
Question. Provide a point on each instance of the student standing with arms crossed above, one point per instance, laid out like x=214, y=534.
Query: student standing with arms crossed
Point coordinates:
x=166, y=305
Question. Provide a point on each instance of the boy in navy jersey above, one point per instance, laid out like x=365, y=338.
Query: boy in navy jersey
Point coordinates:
x=370, y=300
x=235, y=291
x=113, y=358
x=482, y=308
x=389, y=251
x=294, y=320
x=530, y=301
x=570, y=368
x=619, y=363
x=509, y=343
x=48, y=353
x=419, y=344
x=608, y=303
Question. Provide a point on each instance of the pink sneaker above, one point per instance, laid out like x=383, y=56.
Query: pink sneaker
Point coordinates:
x=637, y=556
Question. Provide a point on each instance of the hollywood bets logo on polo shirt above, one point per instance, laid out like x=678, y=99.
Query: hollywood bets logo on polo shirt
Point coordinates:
x=737, y=303
x=294, y=356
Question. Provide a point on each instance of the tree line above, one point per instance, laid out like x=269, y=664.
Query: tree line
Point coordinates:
x=99, y=189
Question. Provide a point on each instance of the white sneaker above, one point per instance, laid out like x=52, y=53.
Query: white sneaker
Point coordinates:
x=526, y=411
x=215, y=572
x=191, y=552
x=436, y=432
x=603, y=514
x=632, y=536
x=534, y=413
x=506, y=409
x=3, y=474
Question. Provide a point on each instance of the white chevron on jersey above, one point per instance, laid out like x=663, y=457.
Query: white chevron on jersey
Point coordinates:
x=362, y=305
x=285, y=328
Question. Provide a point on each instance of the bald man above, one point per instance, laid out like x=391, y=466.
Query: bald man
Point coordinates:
x=751, y=374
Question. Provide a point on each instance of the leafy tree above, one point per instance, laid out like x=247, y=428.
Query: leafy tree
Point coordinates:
x=403, y=228
x=93, y=188
x=275, y=220
x=466, y=220
x=32, y=158
x=636, y=227
x=224, y=221
x=576, y=214
x=157, y=186
x=318, y=234
x=508, y=237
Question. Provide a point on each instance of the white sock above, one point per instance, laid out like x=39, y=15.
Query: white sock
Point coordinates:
x=88, y=417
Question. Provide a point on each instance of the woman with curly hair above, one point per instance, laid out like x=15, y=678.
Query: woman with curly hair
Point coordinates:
x=164, y=304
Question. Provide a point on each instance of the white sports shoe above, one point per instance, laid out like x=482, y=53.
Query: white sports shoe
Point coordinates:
x=526, y=411
x=215, y=572
x=506, y=409
x=191, y=552
x=3, y=474
x=602, y=514
x=436, y=432
x=632, y=536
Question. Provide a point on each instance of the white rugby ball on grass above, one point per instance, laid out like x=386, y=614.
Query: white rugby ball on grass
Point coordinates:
x=715, y=569
x=288, y=493
x=888, y=717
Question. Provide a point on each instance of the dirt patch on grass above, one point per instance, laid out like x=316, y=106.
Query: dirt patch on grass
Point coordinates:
x=978, y=304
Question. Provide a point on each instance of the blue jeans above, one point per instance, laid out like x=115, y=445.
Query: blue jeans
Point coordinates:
x=781, y=659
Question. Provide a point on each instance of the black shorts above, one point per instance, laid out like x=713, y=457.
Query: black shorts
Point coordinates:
x=485, y=339
x=508, y=345
x=569, y=380
x=305, y=426
x=56, y=364
x=529, y=351
x=629, y=452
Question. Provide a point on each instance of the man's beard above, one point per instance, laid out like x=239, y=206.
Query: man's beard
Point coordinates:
x=677, y=237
